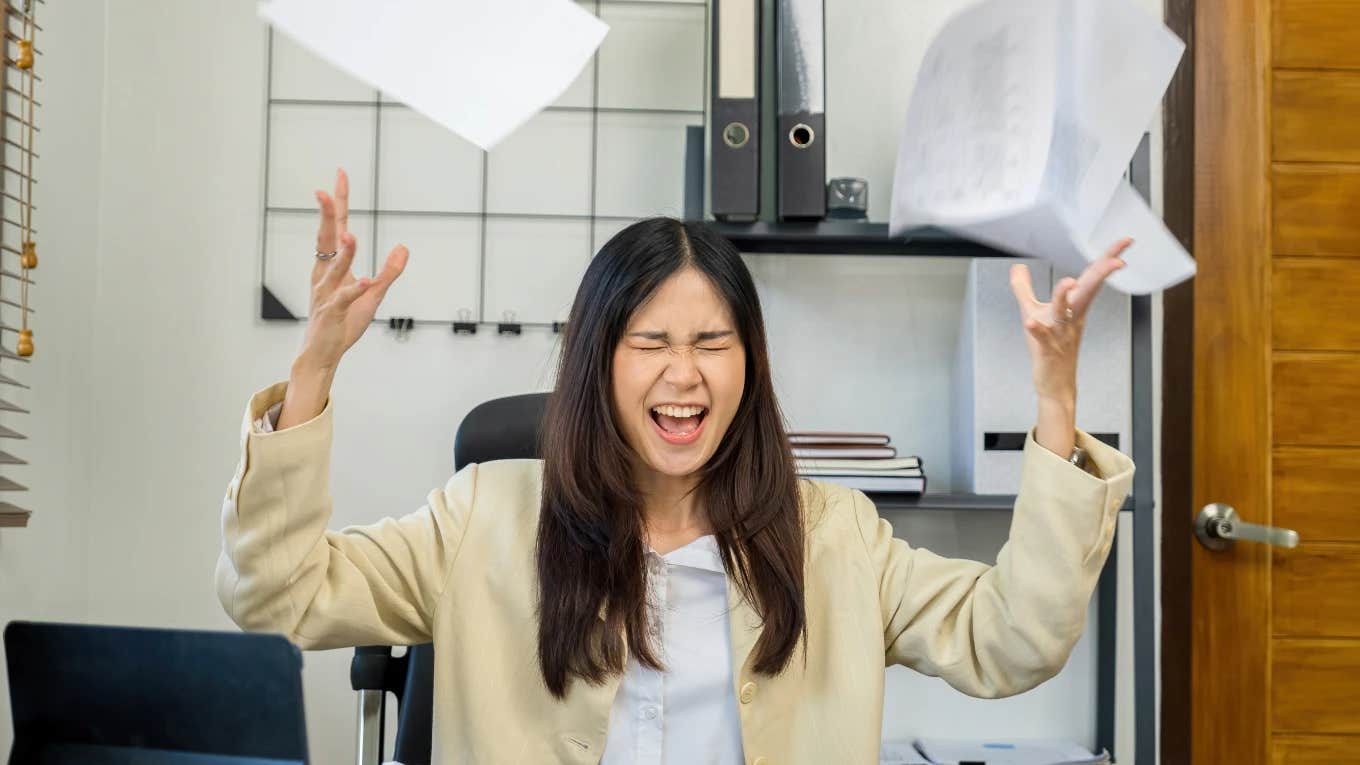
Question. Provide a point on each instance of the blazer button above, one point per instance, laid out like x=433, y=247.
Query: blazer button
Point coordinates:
x=748, y=692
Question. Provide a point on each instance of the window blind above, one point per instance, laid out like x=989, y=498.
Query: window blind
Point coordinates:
x=18, y=246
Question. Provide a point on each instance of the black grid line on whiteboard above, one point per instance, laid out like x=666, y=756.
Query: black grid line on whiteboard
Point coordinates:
x=625, y=141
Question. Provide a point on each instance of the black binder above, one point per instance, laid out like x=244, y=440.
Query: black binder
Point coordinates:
x=800, y=59
x=735, y=122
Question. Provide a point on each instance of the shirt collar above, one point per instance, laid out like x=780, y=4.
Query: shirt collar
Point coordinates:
x=702, y=553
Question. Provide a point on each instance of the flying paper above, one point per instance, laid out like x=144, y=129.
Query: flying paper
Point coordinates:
x=1021, y=125
x=480, y=68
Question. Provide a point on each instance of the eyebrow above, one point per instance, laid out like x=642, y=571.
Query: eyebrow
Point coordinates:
x=698, y=338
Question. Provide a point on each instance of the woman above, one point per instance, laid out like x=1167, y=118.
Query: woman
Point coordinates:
x=661, y=587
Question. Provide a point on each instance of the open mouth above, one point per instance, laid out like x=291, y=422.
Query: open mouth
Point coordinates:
x=679, y=424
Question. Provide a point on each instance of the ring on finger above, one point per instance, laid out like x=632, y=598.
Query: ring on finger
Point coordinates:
x=1067, y=316
x=326, y=255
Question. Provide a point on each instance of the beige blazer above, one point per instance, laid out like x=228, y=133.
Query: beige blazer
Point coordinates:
x=460, y=571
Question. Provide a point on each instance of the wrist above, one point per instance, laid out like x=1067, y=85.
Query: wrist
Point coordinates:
x=1065, y=406
x=309, y=388
x=305, y=371
x=1057, y=425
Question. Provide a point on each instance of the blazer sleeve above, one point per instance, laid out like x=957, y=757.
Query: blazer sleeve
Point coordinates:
x=999, y=630
x=281, y=570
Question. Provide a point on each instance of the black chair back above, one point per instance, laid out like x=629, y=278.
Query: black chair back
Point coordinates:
x=499, y=429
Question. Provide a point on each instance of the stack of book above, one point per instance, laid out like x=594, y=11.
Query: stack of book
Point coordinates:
x=864, y=461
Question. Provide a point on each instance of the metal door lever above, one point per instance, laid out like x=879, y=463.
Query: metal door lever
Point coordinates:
x=1218, y=526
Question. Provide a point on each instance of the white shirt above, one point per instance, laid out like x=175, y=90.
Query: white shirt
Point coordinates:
x=687, y=714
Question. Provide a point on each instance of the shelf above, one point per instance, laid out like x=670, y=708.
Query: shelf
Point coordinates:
x=886, y=501
x=849, y=237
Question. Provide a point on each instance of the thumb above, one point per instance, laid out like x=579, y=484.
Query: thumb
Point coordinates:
x=392, y=268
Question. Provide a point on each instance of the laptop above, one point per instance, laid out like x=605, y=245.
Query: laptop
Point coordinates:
x=100, y=695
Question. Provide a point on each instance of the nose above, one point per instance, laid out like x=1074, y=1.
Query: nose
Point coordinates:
x=681, y=371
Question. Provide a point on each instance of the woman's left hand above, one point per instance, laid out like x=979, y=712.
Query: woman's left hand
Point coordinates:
x=1053, y=334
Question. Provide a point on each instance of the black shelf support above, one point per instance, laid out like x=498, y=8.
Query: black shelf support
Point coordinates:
x=843, y=237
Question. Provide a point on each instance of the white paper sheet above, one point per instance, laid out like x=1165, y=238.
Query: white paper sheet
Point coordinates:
x=479, y=68
x=1121, y=63
x=1155, y=261
x=979, y=121
x=1021, y=126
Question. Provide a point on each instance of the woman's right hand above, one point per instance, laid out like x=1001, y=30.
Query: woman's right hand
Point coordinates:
x=342, y=307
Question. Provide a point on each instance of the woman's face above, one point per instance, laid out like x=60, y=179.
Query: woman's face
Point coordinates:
x=678, y=375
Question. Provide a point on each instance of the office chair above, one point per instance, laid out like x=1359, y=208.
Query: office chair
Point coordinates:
x=499, y=429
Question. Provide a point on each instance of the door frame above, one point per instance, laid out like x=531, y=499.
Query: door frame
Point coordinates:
x=1177, y=386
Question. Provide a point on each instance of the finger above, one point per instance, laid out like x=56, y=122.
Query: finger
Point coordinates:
x=342, y=200
x=345, y=296
x=1088, y=284
x=392, y=268
x=327, y=236
x=340, y=265
x=1117, y=249
x=1038, y=329
x=1022, y=286
x=1062, y=301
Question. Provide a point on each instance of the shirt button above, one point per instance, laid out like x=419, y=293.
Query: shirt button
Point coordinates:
x=649, y=712
x=748, y=692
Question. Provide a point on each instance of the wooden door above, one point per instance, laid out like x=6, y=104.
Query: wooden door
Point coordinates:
x=1276, y=632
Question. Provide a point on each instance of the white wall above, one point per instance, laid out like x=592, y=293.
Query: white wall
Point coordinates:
x=43, y=567
x=162, y=348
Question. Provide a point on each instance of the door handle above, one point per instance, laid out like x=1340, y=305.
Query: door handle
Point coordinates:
x=1217, y=527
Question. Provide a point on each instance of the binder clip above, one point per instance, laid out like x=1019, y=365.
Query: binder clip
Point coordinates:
x=465, y=325
x=402, y=325
x=509, y=326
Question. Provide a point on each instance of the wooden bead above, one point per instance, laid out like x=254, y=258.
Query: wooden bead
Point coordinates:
x=25, y=346
x=25, y=60
x=29, y=259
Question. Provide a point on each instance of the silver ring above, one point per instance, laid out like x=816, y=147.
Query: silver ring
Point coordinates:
x=325, y=255
x=1067, y=317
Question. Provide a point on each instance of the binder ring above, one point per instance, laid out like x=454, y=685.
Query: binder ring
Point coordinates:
x=802, y=136
x=736, y=134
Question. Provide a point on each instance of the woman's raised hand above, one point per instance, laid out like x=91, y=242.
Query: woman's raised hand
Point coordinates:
x=1053, y=333
x=1053, y=330
x=342, y=307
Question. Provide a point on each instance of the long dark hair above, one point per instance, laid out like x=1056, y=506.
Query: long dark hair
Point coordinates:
x=590, y=551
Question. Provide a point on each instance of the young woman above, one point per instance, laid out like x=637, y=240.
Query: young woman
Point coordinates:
x=661, y=586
